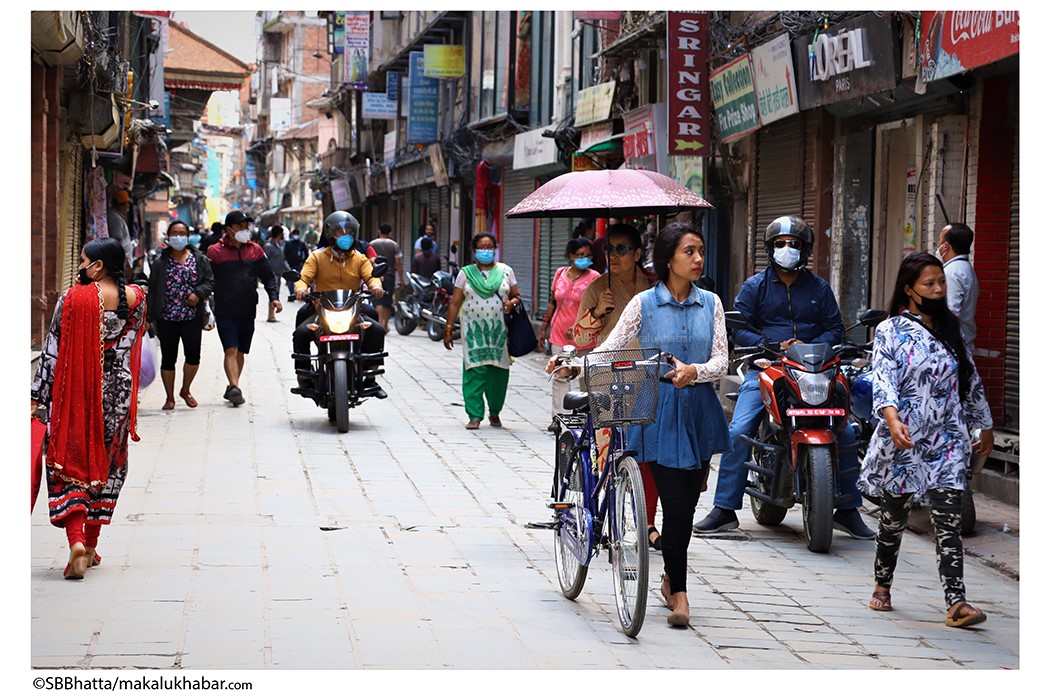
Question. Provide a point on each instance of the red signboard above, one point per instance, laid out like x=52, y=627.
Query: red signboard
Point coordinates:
x=688, y=104
x=956, y=41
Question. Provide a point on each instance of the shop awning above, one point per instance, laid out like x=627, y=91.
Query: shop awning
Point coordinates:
x=612, y=143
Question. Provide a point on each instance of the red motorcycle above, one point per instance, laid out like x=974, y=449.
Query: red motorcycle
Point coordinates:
x=795, y=451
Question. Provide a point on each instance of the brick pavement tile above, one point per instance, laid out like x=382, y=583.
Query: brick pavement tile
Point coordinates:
x=760, y=658
x=399, y=655
x=60, y=661
x=912, y=663
x=856, y=661
x=731, y=641
x=134, y=660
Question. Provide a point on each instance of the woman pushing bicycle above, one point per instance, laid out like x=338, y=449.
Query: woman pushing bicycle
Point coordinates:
x=687, y=322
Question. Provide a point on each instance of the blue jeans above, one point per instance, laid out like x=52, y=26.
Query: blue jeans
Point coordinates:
x=732, y=474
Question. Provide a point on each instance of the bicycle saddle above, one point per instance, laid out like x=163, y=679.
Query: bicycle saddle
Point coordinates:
x=575, y=399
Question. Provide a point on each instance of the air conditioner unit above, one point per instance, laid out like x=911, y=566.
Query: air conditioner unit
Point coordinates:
x=58, y=36
x=96, y=119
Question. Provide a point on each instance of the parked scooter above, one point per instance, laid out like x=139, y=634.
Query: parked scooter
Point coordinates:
x=417, y=295
x=795, y=451
x=435, y=316
x=339, y=370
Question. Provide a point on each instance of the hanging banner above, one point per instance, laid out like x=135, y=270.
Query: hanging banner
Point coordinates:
x=688, y=110
x=593, y=104
x=355, y=55
x=422, y=102
x=338, y=32
x=444, y=61
x=953, y=42
x=856, y=58
x=733, y=98
x=393, y=81
x=375, y=105
x=389, y=148
x=774, y=76
x=644, y=144
x=689, y=171
x=596, y=14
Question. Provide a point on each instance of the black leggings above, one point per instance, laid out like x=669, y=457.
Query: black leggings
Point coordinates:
x=679, y=491
x=946, y=514
x=170, y=333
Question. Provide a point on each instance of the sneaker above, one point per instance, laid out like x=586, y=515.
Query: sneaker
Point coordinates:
x=848, y=520
x=718, y=520
x=234, y=396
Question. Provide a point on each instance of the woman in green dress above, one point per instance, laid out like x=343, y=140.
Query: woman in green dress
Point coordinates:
x=484, y=292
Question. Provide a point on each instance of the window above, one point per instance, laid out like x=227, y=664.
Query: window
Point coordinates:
x=541, y=86
x=490, y=62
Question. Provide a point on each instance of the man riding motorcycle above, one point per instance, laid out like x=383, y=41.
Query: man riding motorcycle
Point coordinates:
x=338, y=266
x=783, y=304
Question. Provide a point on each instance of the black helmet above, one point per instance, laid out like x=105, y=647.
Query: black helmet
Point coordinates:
x=339, y=223
x=790, y=226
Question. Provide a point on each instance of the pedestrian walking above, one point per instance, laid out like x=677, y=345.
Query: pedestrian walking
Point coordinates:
x=426, y=262
x=295, y=254
x=484, y=292
x=238, y=265
x=953, y=249
x=387, y=247
x=687, y=322
x=567, y=288
x=86, y=384
x=274, y=249
x=928, y=397
x=180, y=282
x=117, y=223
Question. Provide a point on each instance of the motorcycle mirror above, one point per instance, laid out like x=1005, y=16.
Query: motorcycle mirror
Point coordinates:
x=379, y=266
x=872, y=317
x=735, y=320
x=291, y=275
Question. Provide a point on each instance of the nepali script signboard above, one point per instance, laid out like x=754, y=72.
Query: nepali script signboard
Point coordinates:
x=957, y=41
x=355, y=54
x=422, y=102
x=688, y=110
x=774, y=75
x=733, y=97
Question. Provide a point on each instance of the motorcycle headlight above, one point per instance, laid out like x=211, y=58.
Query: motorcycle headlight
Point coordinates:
x=814, y=388
x=338, y=321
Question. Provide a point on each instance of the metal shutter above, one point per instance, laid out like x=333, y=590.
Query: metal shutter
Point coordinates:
x=1012, y=368
x=554, y=235
x=779, y=179
x=519, y=237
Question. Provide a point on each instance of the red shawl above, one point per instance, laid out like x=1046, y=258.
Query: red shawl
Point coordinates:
x=77, y=450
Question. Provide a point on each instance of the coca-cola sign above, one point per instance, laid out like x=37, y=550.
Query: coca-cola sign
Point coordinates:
x=956, y=41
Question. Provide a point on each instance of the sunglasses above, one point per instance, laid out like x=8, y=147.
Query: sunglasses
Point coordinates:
x=621, y=250
x=792, y=243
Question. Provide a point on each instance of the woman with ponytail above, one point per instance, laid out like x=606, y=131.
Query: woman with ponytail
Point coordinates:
x=928, y=399
x=86, y=386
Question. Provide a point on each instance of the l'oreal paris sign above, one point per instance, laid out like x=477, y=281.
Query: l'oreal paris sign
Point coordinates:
x=830, y=56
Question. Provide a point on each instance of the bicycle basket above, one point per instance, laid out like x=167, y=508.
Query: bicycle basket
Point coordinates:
x=622, y=386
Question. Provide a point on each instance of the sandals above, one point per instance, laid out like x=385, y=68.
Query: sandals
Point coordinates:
x=474, y=424
x=78, y=563
x=665, y=591
x=880, y=601
x=957, y=619
x=188, y=398
x=495, y=422
x=169, y=405
x=93, y=558
x=657, y=543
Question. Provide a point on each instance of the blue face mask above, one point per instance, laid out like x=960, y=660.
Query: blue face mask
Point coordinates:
x=582, y=263
x=485, y=256
x=177, y=242
x=344, y=242
x=195, y=239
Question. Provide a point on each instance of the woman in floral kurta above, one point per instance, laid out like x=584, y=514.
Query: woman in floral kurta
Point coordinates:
x=86, y=382
x=929, y=398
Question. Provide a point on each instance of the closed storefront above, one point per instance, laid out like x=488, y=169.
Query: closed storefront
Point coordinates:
x=518, y=247
x=779, y=187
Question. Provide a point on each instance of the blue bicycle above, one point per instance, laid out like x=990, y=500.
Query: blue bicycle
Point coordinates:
x=596, y=505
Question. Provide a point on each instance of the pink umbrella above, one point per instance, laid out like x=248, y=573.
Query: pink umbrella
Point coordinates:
x=604, y=193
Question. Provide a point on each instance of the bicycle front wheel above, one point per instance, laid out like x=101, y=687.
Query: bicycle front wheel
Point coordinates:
x=630, y=550
x=568, y=488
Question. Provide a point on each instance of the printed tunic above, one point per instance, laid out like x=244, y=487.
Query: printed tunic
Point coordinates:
x=567, y=294
x=482, y=328
x=182, y=281
x=915, y=373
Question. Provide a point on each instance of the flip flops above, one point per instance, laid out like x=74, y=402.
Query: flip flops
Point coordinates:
x=880, y=601
x=188, y=398
x=958, y=619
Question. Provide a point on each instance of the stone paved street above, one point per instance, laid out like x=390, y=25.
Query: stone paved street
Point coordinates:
x=258, y=537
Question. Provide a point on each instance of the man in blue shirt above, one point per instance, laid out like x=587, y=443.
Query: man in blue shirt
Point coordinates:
x=953, y=248
x=784, y=304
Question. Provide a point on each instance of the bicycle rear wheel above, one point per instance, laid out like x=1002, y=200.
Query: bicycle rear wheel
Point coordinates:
x=630, y=550
x=571, y=574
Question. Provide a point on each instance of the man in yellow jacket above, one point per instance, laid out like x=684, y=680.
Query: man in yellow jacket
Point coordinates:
x=338, y=266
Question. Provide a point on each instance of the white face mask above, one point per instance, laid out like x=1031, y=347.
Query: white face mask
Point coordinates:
x=243, y=236
x=787, y=257
x=178, y=242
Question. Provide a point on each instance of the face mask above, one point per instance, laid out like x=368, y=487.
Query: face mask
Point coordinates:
x=344, y=242
x=242, y=236
x=485, y=256
x=937, y=254
x=295, y=236
x=932, y=307
x=195, y=240
x=82, y=276
x=178, y=242
x=787, y=257
x=582, y=263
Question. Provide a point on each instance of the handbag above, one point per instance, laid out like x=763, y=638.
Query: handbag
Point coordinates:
x=37, y=430
x=150, y=362
x=521, y=338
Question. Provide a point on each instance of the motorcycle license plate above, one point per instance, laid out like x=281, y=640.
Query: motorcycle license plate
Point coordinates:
x=345, y=336
x=816, y=411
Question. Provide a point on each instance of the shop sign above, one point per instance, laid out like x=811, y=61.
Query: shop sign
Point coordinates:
x=341, y=193
x=389, y=147
x=688, y=110
x=733, y=97
x=355, y=53
x=774, y=75
x=594, y=135
x=376, y=105
x=393, y=81
x=532, y=149
x=593, y=104
x=596, y=14
x=583, y=163
x=437, y=164
x=422, y=102
x=443, y=61
x=689, y=170
x=853, y=59
x=644, y=148
x=956, y=41
x=338, y=32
